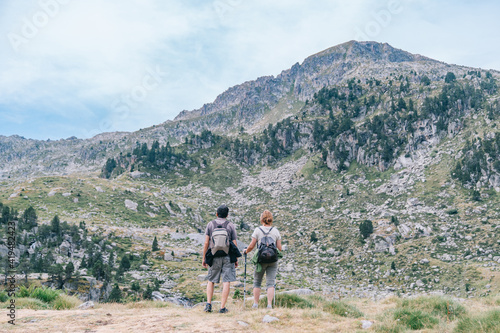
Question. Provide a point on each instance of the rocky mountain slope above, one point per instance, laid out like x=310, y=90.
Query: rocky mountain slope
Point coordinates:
x=381, y=168
x=248, y=107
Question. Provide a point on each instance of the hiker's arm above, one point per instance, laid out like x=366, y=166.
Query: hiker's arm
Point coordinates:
x=278, y=244
x=205, y=248
x=251, y=245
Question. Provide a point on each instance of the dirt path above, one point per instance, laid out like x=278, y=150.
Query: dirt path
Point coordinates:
x=120, y=318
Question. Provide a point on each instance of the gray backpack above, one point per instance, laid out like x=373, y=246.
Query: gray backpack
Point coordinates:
x=219, y=242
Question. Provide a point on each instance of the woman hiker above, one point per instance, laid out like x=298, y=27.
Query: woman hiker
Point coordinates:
x=271, y=236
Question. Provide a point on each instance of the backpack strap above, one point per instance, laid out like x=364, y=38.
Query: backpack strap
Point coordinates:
x=214, y=223
x=266, y=233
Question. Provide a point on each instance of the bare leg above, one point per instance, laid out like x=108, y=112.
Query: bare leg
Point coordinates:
x=270, y=295
x=225, y=294
x=256, y=295
x=210, y=291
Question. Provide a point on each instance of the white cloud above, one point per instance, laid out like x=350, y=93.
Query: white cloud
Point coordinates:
x=92, y=53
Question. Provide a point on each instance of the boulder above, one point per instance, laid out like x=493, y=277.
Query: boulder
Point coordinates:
x=157, y=296
x=65, y=248
x=131, y=205
x=299, y=292
x=86, y=305
x=269, y=319
x=136, y=174
x=366, y=324
x=383, y=243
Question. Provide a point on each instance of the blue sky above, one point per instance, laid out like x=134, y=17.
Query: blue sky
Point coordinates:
x=79, y=68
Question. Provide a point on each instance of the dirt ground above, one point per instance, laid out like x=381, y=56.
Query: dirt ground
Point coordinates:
x=122, y=318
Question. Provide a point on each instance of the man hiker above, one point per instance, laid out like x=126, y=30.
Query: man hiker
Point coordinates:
x=219, y=235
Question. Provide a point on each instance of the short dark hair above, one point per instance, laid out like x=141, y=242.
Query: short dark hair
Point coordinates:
x=222, y=211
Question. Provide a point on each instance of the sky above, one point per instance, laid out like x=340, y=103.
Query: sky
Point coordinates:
x=80, y=68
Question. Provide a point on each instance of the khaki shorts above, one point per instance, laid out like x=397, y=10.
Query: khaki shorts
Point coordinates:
x=222, y=266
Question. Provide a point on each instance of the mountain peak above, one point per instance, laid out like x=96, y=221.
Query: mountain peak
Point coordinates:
x=369, y=50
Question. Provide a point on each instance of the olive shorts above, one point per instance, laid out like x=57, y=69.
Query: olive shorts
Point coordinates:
x=270, y=269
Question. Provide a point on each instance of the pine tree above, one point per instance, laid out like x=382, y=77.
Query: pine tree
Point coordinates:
x=394, y=220
x=155, y=245
x=111, y=259
x=366, y=228
x=450, y=77
x=29, y=219
x=148, y=293
x=125, y=263
x=69, y=270
x=83, y=264
x=116, y=294
x=135, y=286
x=98, y=269
x=24, y=268
x=56, y=225
x=57, y=275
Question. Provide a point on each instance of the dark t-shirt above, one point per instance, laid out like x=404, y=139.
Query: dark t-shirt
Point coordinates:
x=230, y=229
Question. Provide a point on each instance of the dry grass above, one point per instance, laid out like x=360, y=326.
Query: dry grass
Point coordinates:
x=150, y=316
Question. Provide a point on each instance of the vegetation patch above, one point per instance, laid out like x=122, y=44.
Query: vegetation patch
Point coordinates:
x=439, y=306
x=288, y=301
x=415, y=319
x=343, y=309
x=65, y=302
x=488, y=322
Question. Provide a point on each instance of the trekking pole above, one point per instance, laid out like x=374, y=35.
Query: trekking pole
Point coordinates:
x=274, y=296
x=245, y=281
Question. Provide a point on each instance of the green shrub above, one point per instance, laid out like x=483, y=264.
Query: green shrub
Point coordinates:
x=488, y=322
x=238, y=294
x=44, y=294
x=343, y=309
x=435, y=305
x=65, y=302
x=3, y=296
x=288, y=301
x=452, y=211
x=415, y=319
x=25, y=292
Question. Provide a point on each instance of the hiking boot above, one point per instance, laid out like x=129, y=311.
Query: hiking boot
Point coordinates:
x=255, y=306
x=208, y=307
x=269, y=306
x=223, y=310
